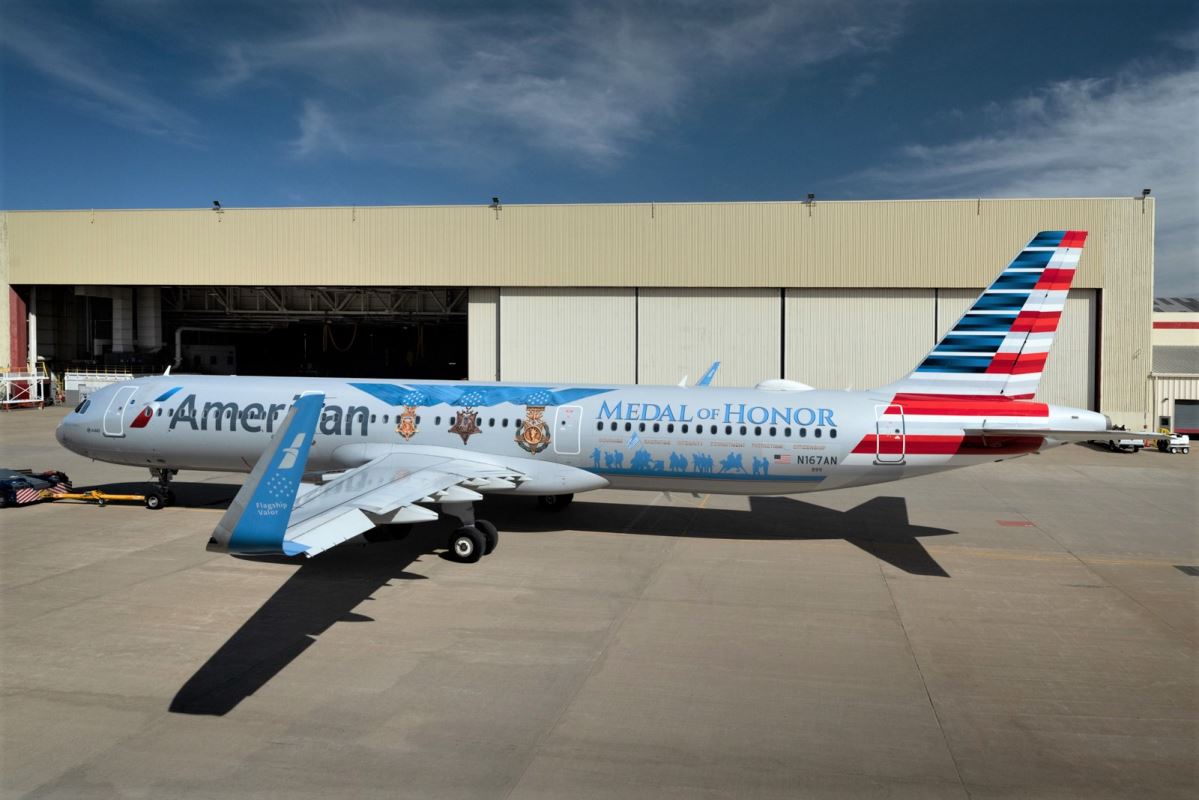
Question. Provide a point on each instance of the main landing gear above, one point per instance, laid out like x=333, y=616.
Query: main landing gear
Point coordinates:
x=161, y=496
x=475, y=539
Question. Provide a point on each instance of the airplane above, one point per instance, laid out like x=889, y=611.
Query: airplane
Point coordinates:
x=331, y=459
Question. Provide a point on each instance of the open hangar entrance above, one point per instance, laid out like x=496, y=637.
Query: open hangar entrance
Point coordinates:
x=386, y=332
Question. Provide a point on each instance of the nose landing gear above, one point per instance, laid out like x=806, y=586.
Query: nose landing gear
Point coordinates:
x=161, y=495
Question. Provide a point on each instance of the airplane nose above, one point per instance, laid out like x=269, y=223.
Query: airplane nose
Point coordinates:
x=60, y=433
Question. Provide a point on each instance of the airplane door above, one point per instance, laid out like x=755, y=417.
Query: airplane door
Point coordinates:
x=568, y=422
x=114, y=416
x=890, y=434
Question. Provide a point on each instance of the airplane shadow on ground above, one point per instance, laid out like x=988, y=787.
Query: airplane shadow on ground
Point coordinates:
x=319, y=593
x=879, y=526
x=328, y=589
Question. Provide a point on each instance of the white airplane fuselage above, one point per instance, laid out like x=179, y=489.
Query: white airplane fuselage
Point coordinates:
x=701, y=439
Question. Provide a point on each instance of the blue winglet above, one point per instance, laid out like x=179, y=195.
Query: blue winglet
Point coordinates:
x=706, y=380
x=257, y=518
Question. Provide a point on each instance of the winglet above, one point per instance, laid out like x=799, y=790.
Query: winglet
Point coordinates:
x=256, y=520
x=706, y=380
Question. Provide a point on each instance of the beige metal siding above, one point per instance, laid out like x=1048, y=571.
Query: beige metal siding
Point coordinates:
x=1165, y=390
x=901, y=244
x=567, y=335
x=859, y=338
x=482, y=330
x=5, y=336
x=682, y=331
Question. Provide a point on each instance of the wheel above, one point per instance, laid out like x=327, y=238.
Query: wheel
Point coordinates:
x=155, y=501
x=1186, y=450
x=491, y=535
x=467, y=545
x=1173, y=451
x=555, y=502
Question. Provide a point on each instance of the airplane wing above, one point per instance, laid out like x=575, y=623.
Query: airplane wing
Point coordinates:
x=1064, y=435
x=387, y=489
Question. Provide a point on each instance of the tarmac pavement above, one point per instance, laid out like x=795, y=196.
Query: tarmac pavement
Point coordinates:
x=1018, y=629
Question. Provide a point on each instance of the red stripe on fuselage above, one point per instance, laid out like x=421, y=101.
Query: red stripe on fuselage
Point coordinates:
x=949, y=445
x=960, y=405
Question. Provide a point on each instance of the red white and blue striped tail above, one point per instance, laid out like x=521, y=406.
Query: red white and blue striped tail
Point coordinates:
x=999, y=346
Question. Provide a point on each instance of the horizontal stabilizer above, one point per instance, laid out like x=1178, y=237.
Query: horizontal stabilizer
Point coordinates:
x=1064, y=435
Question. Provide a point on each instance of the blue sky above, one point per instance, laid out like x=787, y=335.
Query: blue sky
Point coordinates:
x=159, y=103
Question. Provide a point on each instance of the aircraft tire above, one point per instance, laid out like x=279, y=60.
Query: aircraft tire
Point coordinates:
x=155, y=501
x=467, y=545
x=491, y=536
x=555, y=502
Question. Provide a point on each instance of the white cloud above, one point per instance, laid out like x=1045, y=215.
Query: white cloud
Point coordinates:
x=77, y=63
x=1104, y=137
x=583, y=81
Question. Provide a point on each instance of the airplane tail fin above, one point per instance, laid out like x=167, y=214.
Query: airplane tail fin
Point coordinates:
x=256, y=520
x=1000, y=344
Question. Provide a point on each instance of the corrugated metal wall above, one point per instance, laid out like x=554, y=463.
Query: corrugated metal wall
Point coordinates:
x=898, y=244
x=682, y=331
x=567, y=335
x=1165, y=390
x=860, y=338
x=902, y=244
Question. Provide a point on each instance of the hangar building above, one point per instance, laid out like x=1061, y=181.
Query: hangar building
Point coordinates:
x=833, y=294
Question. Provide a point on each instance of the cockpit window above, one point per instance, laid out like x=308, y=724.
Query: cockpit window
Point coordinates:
x=82, y=407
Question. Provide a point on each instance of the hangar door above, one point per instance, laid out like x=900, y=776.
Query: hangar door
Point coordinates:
x=567, y=335
x=682, y=331
x=857, y=338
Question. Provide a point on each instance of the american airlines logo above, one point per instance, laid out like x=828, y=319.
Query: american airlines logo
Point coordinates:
x=290, y=454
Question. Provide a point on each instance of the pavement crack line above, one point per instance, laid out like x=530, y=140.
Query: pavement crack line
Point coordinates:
x=924, y=683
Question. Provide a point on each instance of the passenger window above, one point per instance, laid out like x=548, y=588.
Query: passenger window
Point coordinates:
x=818, y=433
x=385, y=418
x=159, y=412
x=787, y=432
x=803, y=432
x=505, y=423
x=670, y=428
x=613, y=426
x=491, y=422
x=641, y=427
x=757, y=431
x=599, y=426
x=656, y=427
x=628, y=426
x=742, y=430
x=728, y=430
x=684, y=427
x=833, y=433
x=437, y=420
x=774, y=431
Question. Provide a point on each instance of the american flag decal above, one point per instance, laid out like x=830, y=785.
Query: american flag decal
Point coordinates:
x=782, y=458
